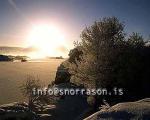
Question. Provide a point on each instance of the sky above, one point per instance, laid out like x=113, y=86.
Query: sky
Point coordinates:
x=69, y=16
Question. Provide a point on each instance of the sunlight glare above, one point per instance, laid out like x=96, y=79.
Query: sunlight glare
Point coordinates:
x=46, y=38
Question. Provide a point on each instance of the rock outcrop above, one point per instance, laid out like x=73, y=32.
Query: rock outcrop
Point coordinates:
x=70, y=107
x=139, y=110
x=62, y=75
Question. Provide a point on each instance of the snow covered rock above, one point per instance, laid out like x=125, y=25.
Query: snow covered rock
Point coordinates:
x=138, y=110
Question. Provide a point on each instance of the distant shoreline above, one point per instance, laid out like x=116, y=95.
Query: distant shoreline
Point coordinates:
x=38, y=60
x=10, y=58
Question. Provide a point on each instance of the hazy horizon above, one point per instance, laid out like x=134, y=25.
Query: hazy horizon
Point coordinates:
x=20, y=51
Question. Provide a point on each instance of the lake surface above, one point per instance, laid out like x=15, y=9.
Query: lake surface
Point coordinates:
x=13, y=74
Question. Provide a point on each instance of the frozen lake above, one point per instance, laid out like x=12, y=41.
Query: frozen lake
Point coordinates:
x=12, y=74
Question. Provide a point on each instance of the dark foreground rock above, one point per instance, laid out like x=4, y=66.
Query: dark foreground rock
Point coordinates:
x=139, y=110
x=70, y=107
x=74, y=108
x=20, y=111
x=16, y=111
x=67, y=107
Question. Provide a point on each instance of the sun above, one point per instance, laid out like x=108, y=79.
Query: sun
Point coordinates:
x=46, y=38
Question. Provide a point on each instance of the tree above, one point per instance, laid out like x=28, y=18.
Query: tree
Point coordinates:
x=98, y=47
x=135, y=40
x=109, y=59
x=129, y=66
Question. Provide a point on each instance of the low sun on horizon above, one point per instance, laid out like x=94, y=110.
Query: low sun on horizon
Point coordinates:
x=47, y=39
